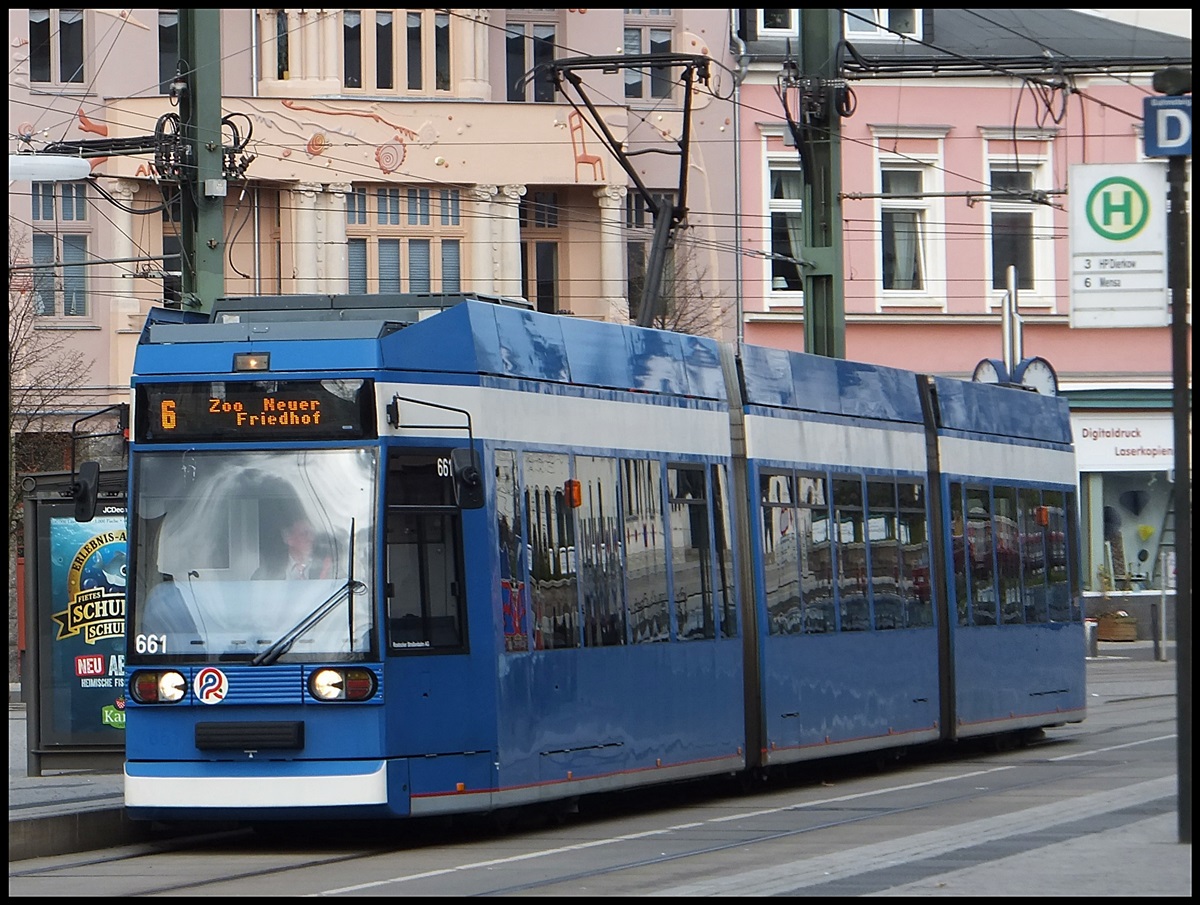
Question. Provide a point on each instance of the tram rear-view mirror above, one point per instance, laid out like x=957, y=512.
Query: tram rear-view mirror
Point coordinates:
x=86, y=491
x=468, y=478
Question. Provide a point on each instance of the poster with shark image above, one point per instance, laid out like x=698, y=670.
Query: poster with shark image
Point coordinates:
x=87, y=648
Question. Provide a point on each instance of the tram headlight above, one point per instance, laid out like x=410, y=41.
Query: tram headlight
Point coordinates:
x=342, y=684
x=158, y=687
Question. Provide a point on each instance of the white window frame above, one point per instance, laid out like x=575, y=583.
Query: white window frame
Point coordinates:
x=931, y=212
x=934, y=294
x=787, y=298
x=856, y=29
x=763, y=31
x=999, y=155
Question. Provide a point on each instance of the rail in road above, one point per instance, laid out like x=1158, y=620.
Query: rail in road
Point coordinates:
x=1091, y=808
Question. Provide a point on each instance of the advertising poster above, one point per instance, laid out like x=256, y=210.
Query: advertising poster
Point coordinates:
x=83, y=678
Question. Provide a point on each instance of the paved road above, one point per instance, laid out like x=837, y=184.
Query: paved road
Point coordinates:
x=1106, y=839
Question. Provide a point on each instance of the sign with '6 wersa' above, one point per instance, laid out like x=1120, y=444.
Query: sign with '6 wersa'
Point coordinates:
x=1119, y=245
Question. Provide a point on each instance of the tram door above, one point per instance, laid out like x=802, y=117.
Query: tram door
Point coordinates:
x=423, y=532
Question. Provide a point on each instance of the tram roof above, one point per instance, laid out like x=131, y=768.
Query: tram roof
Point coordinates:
x=988, y=408
x=462, y=334
x=472, y=335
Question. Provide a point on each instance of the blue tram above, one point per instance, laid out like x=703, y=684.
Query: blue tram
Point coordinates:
x=414, y=555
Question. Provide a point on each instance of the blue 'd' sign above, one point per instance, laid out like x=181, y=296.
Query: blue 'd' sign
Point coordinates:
x=1167, y=127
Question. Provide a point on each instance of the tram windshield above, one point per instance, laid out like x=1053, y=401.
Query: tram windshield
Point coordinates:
x=258, y=555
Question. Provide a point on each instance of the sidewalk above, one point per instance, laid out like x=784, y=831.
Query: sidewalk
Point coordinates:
x=72, y=811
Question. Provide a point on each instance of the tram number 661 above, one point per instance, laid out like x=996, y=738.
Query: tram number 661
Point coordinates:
x=150, y=644
x=444, y=468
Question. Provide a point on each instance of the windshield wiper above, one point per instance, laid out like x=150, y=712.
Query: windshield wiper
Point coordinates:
x=284, y=642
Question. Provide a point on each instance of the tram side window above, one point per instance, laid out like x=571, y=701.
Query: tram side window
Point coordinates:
x=813, y=529
x=980, y=549
x=1033, y=555
x=645, y=550
x=1075, y=577
x=882, y=535
x=600, y=553
x=553, y=579
x=513, y=592
x=726, y=606
x=853, y=602
x=781, y=554
x=1059, y=589
x=1008, y=555
x=958, y=537
x=424, y=555
x=424, y=607
x=691, y=553
x=913, y=534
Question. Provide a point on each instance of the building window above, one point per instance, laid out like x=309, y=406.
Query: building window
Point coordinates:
x=56, y=46
x=527, y=45
x=541, y=236
x=60, y=290
x=385, y=51
x=776, y=21
x=639, y=236
x=883, y=23
x=787, y=227
x=282, y=57
x=1012, y=228
x=168, y=48
x=352, y=48
x=172, y=244
x=377, y=59
x=404, y=240
x=648, y=31
x=902, y=222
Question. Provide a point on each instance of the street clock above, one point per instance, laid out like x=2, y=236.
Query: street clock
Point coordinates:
x=1037, y=374
x=990, y=370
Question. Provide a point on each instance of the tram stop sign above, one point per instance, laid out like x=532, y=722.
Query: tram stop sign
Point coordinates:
x=1119, y=245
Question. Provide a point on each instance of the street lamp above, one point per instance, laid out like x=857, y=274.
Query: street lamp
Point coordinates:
x=47, y=167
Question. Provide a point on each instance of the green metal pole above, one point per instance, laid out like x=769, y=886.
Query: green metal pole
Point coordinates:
x=203, y=186
x=824, y=292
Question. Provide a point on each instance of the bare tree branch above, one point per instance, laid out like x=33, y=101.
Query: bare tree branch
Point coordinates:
x=43, y=374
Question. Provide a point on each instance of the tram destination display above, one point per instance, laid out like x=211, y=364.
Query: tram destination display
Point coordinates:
x=252, y=410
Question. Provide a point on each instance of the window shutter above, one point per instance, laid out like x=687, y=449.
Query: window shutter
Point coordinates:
x=418, y=265
x=356, y=254
x=451, y=278
x=74, y=278
x=389, y=265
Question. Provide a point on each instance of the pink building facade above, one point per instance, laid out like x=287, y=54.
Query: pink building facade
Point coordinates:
x=400, y=150
x=957, y=162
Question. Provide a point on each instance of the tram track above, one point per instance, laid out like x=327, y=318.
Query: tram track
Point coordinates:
x=623, y=855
